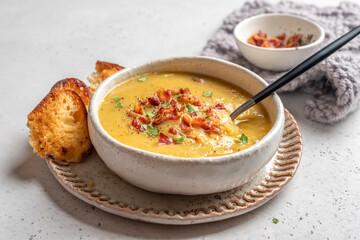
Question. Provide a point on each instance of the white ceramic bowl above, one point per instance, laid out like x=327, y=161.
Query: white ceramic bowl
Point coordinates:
x=189, y=176
x=277, y=59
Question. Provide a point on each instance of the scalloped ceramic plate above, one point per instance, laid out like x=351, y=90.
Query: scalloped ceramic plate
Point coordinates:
x=95, y=184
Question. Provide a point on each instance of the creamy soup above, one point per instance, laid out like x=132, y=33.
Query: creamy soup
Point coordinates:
x=182, y=115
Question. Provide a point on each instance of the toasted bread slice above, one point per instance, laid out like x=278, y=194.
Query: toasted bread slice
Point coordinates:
x=58, y=126
x=103, y=71
x=77, y=86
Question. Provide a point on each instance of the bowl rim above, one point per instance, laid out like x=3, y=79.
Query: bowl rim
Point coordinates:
x=319, y=40
x=104, y=135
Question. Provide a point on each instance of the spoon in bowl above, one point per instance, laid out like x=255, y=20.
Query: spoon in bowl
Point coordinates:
x=297, y=71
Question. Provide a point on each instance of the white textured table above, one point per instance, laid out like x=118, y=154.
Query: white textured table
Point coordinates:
x=44, y=41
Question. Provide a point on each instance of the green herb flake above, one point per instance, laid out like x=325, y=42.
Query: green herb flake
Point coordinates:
x=180, y=140
x=243, y=138
x=150, y=114
x=275, y=220
x=178, y=95
x=153, y=131
x=191, y=108
x=166, y=104
x=207, y=94
x=119, y=105
x=144, y=126
x=117, y=99
x=207, y=117
x=142, y=79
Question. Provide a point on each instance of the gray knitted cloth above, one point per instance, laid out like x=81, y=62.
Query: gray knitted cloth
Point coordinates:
x=334, y=83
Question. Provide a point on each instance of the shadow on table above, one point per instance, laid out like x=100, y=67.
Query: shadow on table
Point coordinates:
x=35, y=168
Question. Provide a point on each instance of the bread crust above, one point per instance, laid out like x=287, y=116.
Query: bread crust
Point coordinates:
x=58, y=124
x=101, y=66
x=103, y=71
x=77, y=86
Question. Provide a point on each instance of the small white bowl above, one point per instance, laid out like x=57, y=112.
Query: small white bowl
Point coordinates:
x=189, y=176
x=277, y=59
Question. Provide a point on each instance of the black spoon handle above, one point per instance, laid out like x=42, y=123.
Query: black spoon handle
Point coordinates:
x=298, y=70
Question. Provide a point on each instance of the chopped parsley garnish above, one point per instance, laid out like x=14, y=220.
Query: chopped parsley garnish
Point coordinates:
x=178, y=95
x=166, y=104
x=180, y=140
x=150, y=114
x=119, y=105
x=144, y=126
x=153, y=131
x=207, y=117
x=191, y=108
x=243, y=138
x=275, y=220
x=142, y=79
x=207, y=94
x=117, y=99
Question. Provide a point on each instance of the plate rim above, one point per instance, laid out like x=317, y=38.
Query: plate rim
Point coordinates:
x=284, y=167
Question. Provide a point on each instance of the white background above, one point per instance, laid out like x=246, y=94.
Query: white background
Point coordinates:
x=42, y=42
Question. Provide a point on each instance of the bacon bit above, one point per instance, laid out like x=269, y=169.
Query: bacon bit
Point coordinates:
x=164, y=95
x=173, y=130
x=136, y=123
x=182, y=108
x=215, y=129
x=220, y=106
x=186, y=120
x=161, y=115
x=165, y=140
x=294, y=41
x=260, y=39
x=209, y=111
x=251, y=40
x=175, y=91
x=186, y=129
x=139, y=109
x=198, y=80
x=175, y=104
x=132, y=114
x=172, y=117
x=144, y=120
x=196, y=101
x=275, y=43
x=206, y=126
x=186, y=124
x=261, y=34
x=155, y=101
x=281, y=37
x=143, y=102
x=200, y=139
x=212, y=114
x=198, y=121
x=185, y=91
x=190, y=99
